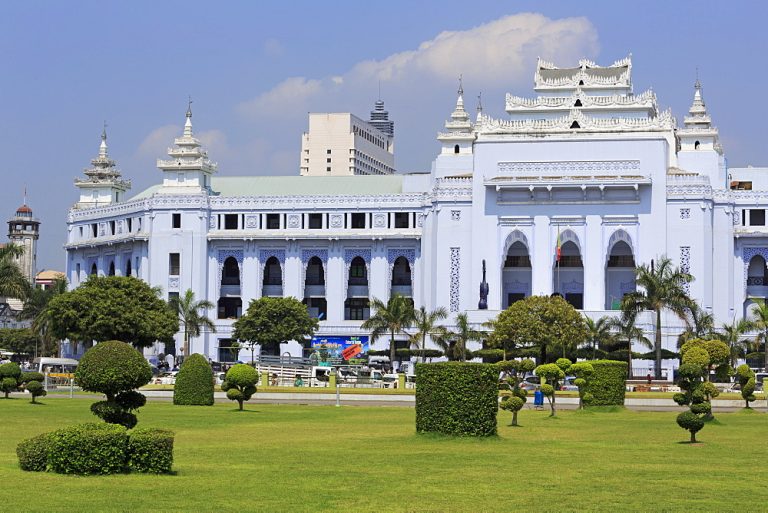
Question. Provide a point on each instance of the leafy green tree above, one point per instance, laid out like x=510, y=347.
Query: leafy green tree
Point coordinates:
x=583, y=371
x=515, y=397
x=662, y=288
x=33, y=383
x=113, y=308
x=733, y=335
x=115, y=369
x=240, y=383
x=699, y=324
x=542, y=322
x=717, y=355
x=13, y=283
x=392, y=318
x=552, y=373
x=626, y=333
x=18, y=340
x=760, y=323
x=691, y=380
x=272, y=320
x=746, y=379
x=9, y=377
x=599, y=333
x=36, y=310
x=425, y=322
x=190, y=318
x=454, y=342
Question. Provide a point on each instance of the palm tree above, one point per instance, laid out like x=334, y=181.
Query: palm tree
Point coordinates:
x=700, y=324
x=12, y=282
x=393, y=317
x=36, y=310
x=626, y=332
x=190, y=317
x=760, y=323
x=663, y=288
x=425, y=323
x=733, y=335
x=598, y=333
x=454, y=343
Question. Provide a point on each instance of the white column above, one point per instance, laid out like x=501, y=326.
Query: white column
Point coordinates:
x=594, y=265
x=541, y=257
x=334, y=285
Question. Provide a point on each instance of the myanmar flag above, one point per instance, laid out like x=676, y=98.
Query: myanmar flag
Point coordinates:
x=559, y=245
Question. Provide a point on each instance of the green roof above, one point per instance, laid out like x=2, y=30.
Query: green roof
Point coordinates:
x=362, y=185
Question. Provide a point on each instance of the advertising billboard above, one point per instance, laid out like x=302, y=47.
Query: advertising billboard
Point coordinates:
x=342, y=347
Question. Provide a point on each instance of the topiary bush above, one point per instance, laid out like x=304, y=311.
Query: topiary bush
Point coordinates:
x=240, y=383
x=9, y=377
x=514, y=397
x=33, y=453
x=746, y=378
x=87, y=449
x=551, y=374
x=150, y=451
x=194, y=383
x=457, y=398
x=114, y=369
x=607, y=385
x=33, y=383
x=583, y=372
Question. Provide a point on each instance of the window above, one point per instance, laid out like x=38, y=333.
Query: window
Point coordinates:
x=328, y=160
x=328, y=169
x=357, y=272
x=129, y=223
x=112, y=227
x=356, y=309
x=358, y=220
x=401, y=219
x=517, y=261
x=514, y=297
x=94, y=272
x=273, y=275
x=177, y=220
x=174, y=264
x=757, y=217
x=94, y=229
x=112, y=268
x=696, y=145
x=273, y=221
x=230, y=221
x=230, y=308
x=315, y=221
x=173, y=296
x=327, y=152
x=128, y=267
x=230, y=274
x=77, y=273
x=576, y=299
x=81, y=232
x=456, y=149
x=228, y=350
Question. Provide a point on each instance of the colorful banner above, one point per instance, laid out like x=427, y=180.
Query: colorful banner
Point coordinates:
x=342, y=347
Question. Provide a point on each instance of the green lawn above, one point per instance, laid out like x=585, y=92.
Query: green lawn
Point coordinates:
x=276, y=458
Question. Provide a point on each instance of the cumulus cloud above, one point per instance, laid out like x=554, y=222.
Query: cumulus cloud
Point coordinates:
x=158, y=140
x=500, y=52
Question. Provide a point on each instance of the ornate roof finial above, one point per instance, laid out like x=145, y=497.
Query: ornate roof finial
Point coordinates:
x=480, y=102
x=189, y=107
x=188, y=123
x=104, y=131
x=461, y=86
x=103, y=145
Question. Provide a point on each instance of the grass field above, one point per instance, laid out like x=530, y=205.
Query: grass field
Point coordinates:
x=276, y=458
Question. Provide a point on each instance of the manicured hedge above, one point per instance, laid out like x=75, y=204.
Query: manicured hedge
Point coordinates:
x=457, y=398
x=150, y=451
x=88, y=449
x=608, y=384
x=194, y=383
x=33, y=453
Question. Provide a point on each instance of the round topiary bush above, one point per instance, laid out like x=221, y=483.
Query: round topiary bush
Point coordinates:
x=194, y=383
x=89, y=449
x=457, y=398
x=35, y=388
x=9, y=377
x=33, y=453
x=607, y=384
x=150, y=450
x=114, y=369
x=240, y=383
x=691, y=422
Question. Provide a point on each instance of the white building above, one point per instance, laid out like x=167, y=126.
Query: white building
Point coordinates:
x=341, y=144
x=587, y=162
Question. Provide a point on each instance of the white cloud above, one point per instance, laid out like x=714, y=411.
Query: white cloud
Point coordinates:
x=158, y=140
x=291, y=94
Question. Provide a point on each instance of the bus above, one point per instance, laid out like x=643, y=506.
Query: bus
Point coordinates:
x=56, y=367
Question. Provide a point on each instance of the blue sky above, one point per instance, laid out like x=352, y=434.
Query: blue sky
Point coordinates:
x=254, y=70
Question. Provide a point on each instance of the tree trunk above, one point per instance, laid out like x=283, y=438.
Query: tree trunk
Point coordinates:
x=658, y=344
x=423, y=348
x=552, y=405
x=765, y=351
x=514, y=418
x=693, y=437
x=543, y=355
x=392, y=350
x=630, y=374
x=240, y=401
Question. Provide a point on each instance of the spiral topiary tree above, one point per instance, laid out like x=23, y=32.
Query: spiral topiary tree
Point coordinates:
x=691, y=373
x=552, y=373
x=240, y=383
x=33, y=383
x=583, y=372
x=194, y=383
x=116, y=370
x=514, y=397
x=746, y=378
x=9, y=377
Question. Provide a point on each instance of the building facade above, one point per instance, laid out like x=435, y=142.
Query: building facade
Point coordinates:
x=587, y=170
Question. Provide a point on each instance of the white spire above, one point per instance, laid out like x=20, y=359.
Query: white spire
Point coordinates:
x=188, y=122
x=103, y=146
x=697, y=114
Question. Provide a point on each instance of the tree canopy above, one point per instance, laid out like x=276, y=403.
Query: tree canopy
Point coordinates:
x=113, y=308
x=272, y=320
x=540, y=321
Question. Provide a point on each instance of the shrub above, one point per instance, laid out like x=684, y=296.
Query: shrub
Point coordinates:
x=115, y=369
x=33, y=453
x=26, y=377
x=552, y=373
x=9, y=377
x=35, y=389
x=607, y=385
x=746, y=378
x=583, y=372
x=194, y=383
x=457, y=398
x=240, y=383
x=516, y=397
x=690, y=422
x=150, y=450
x=89, y=449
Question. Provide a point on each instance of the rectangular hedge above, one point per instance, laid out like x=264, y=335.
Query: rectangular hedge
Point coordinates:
x=457, y=398
x=608, y=384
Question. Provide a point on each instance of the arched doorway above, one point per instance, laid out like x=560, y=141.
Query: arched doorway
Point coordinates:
x=356, y=305
x=314, y=289
x=568, y=271
x=230, y=305
x=619, y=274
x=94, y=271
x=273, y=278
x=516, y=274
x=112, y=268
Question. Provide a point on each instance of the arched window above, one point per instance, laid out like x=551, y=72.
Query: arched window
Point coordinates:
x=273, y=274
x=696, y=145
x=756, y=272
x=112, y=268
x=94, y=271
x=230, y=275
x=456, y=149
x=315, y=273
x=358, y=274
x=517, y=256
x=401, y=272
x=578, y=103
x=128, y=267
x=575, y=124
x=621, y=255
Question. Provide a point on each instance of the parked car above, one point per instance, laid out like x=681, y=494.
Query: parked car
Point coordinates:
x=568, y=385
x=530, y=383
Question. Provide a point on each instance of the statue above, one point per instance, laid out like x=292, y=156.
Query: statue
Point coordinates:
x=483, y=304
